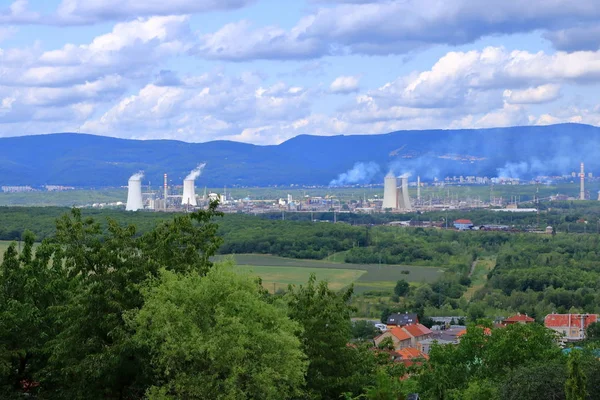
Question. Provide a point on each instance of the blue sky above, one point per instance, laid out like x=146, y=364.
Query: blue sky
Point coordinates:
x=263, y=71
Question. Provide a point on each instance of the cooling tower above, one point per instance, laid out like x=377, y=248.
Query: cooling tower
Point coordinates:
x=405, y=199
x=189, y=193
x=390, y=193
x=134, y=193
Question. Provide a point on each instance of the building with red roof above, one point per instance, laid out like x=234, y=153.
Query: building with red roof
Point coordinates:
x=405, y=336
x=400, y=338
x=518, y=319
x=463, y=224
x=409, y=355
x=570, y=326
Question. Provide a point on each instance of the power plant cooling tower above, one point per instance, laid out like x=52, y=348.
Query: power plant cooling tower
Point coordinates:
x=189, y=193
x=390, y=194
x=134, y=193
x=405, y=199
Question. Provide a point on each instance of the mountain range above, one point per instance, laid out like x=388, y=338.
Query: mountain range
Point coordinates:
x=84, y=160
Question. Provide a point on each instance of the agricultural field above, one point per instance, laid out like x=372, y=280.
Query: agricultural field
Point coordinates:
x=280, y=271
x=278, y=278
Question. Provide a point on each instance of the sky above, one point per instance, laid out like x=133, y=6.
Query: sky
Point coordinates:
x=264, y=71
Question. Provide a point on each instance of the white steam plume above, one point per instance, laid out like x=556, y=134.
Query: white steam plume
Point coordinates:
x=196, y=172
x=137, y=176
x=360, y=173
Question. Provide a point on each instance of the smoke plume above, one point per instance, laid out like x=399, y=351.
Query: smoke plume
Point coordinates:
x=137, y=176
x=196, y=172
x=360, y=173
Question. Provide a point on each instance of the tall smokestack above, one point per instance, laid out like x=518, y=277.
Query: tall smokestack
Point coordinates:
x=134, y=193
x=390, y=193
x=189, y=190
x=418, y=188
x=582, y=183
x=166, y=190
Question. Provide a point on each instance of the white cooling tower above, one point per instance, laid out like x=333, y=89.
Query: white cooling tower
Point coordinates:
x=134, y=193
x=189, y=193
x=405, y=199
x=390, y=193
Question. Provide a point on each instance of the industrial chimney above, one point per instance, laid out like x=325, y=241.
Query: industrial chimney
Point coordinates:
x=582, y=183
x=134, y=193
x=189, y=191
x=418, y=188
x=390, y=193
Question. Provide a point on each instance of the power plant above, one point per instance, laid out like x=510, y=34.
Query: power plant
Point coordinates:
x=189, y=190
x=134, y=193
x=395, y=196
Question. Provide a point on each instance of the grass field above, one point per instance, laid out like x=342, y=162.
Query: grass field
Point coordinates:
x=275, y=278
x=482, y=267
x=365, y=276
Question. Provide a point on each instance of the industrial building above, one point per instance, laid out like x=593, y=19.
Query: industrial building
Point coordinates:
x=395, y=195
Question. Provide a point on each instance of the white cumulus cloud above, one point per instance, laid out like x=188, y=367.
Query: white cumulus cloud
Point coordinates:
x=344, y=84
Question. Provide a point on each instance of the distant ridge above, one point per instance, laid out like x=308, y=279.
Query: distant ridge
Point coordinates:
x=92, y=161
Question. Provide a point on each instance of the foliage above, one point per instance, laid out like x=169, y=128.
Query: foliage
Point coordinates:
x=401, y=288
x=363, y=330
x=217, y=337
x=575, y=386
x=334, y=366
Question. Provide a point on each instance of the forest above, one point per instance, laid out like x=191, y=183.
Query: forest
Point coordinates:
x=106, y=312
x=529, y=272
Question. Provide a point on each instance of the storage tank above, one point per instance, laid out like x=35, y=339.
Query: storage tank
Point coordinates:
x=134, y=193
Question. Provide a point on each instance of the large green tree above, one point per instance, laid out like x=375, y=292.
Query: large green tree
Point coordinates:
x=575, y=385
x=217, y=337
x=28, y=288
x=335, y=367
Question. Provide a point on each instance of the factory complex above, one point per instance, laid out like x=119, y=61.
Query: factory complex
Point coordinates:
x=396, y=198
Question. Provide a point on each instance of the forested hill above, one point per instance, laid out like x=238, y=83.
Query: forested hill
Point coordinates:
x=87, y=160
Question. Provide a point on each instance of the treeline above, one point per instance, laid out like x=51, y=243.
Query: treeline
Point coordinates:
x=540, y=274
x=110, y=314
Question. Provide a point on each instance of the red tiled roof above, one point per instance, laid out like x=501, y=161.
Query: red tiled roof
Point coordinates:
x=562, y=320
x=408, y=353
x=519, y=318
x=399, y=333
x=463, y=221
x=417, y=330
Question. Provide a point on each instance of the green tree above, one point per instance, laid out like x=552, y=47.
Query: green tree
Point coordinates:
x=216, y=337
x=363, y=330
x=545, y=380
x=27, y=291
x=478, y=390
x=592, y=332
x=335, y=367
x=92, y=354
x=402, y=287
x=575, y=385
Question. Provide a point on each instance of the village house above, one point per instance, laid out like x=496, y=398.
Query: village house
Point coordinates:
x=399, y=319
x=405, y=336
x=400, y=338
x=570, y=326
x=518, y=319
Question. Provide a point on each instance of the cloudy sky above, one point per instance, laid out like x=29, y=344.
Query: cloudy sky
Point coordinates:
x=263, y=71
